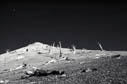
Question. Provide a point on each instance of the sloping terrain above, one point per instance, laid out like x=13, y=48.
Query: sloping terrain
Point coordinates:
x=39, y=63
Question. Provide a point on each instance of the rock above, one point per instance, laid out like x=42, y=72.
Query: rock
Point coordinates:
x=40, y=72
x=29, y=72
x=63, y=75
x=81, y=62
x=1, y=81
x=89, y=70
x=19, y=57
x=51, y=61
x=99, y=55
x=32, y=83
x=21, y=66
x=4, y=81
x=37, y=72
x=34, y=68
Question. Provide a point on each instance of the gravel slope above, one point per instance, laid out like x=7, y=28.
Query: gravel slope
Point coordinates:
x=83, y=67
x=105, y=70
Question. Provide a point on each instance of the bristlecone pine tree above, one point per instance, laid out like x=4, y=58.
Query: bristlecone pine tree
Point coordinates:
x=60, y=50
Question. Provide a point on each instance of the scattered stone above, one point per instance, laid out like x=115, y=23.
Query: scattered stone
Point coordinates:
x=20, y=57
x=32, y=83
x=12, y=52
x=51, y=61
x=82, y=62
x=1, y=81
x=100, y=54
x=20, y=67
x=63, y=75
x=4, y=81
x=65, y=58
x=29, y=72
x=88, y=70
x=85, y=51
x=97, y=56
x=34, y=68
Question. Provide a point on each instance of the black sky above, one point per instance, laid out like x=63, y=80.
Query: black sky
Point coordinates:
x=83, y=24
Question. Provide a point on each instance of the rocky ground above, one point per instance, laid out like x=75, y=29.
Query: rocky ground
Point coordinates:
x=43, y=64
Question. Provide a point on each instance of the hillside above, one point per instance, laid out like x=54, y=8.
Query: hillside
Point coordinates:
x=40, y=63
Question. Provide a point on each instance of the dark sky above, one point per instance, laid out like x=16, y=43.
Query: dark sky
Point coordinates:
x=83, y=24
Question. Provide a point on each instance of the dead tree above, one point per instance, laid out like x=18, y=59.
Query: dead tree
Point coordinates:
x=100, y=47
x=60, y=49
x=73, y=49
